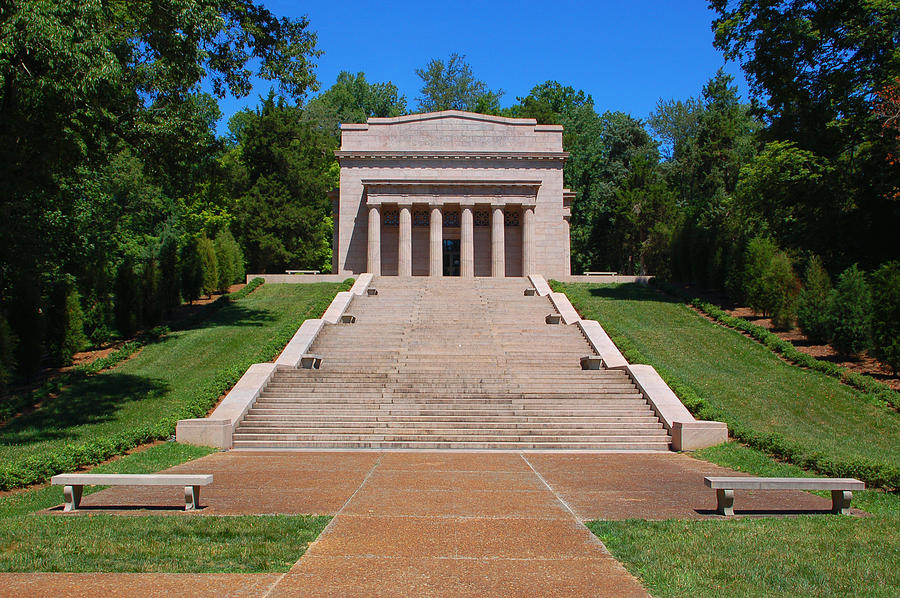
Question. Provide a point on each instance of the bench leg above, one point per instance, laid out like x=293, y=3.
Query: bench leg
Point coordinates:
x=840, y=502
x=725, y=502
x=191, y=498
x=72, y=495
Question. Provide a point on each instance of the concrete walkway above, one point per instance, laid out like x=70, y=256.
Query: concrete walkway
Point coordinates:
x=428, y=524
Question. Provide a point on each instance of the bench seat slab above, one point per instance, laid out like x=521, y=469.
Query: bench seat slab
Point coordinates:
x=131, y=479
x=751, y=483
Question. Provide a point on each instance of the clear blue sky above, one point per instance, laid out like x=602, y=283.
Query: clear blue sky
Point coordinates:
x=626, y=54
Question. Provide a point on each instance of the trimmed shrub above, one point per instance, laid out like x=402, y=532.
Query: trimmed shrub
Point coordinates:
x=850, y=313
x=7, y=354
x=812, y=307
x=65, y=324
x=169, y=274
x=886, y=314
x=758, y=260
x=208, y=265
x=128, y=302
x=191, y=272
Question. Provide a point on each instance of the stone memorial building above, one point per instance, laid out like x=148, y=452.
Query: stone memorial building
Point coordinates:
x=451, y=194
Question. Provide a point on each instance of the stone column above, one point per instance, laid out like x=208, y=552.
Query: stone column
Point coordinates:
x=374, y=257
x=527, y=240
x=466, y=243
x=404, y=253
x=436, y=251
x=498, y=249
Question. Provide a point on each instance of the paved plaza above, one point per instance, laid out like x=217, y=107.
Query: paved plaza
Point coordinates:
x=426, y=523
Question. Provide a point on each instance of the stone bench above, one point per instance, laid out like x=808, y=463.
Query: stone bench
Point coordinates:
x=73, y=484
x=841, y=489
x=301, y=271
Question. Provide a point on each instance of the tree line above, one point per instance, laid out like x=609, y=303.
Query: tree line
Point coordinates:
x=119, y=200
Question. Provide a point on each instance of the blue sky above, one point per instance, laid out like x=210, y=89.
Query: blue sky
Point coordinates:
x=626, y=54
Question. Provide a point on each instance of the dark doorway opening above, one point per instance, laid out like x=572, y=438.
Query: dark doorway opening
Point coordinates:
x=451, y=257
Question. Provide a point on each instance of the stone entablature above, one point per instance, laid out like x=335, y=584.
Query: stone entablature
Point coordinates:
x=456, y=167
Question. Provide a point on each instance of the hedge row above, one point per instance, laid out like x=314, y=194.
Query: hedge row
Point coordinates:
x=192, y=404
x=878, y=391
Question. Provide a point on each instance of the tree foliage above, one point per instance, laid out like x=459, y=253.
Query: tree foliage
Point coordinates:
x=452, y=85
x=288, y=164
x=352, y=99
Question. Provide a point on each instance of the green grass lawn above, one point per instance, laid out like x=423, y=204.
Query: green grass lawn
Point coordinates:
x=802, y=556
x=180, y=376
x=175, y=543
x=825, y=424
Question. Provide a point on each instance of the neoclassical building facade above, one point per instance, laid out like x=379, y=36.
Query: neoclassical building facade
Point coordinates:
x=451, y=194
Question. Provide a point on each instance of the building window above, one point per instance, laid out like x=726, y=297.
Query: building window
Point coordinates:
x=451, y=219
x=420, y=218
x=511, y=218
x=482, y=218
x=392, y=217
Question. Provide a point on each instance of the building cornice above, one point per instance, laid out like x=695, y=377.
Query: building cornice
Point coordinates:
x=447, y=155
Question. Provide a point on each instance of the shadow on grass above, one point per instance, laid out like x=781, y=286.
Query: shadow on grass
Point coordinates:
x=631, y=291
x=91, y=400
x=231, y=314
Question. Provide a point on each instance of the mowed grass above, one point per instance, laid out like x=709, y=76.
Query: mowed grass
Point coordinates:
x=178, y=377
x=802, y=556
x=820, y=418
x=176, y=543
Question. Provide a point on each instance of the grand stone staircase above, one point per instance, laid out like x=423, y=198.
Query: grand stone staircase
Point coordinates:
x=437, y=363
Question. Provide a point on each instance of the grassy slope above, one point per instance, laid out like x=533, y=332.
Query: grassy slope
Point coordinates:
x=744, y=379
x=179, y=376
x=165, y=543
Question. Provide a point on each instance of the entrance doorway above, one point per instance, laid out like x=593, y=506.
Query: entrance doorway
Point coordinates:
x=451, y=257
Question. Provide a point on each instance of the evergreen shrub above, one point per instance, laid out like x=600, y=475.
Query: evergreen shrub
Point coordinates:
x=128, y=301
x=208, y=266
x=169, y=273
x=758, y=261
x=886, y=314
x=812, y=307
x=65, y=319
x=7, y=354
x=191, y=271
x=849, y=313
x=782, y=287
x=151, y=299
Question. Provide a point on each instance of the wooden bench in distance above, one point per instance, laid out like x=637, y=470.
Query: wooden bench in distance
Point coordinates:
x=841, y=489
x=601, y=273
x=74, y=483
x=301, y=271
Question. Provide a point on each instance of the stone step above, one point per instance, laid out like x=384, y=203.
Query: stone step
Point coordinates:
x=612, y=445
x=397, y=436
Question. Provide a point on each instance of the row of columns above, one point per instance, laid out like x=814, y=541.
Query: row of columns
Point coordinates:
x=436, y=238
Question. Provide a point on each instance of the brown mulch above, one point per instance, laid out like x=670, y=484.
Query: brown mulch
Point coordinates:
x=864, y=364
